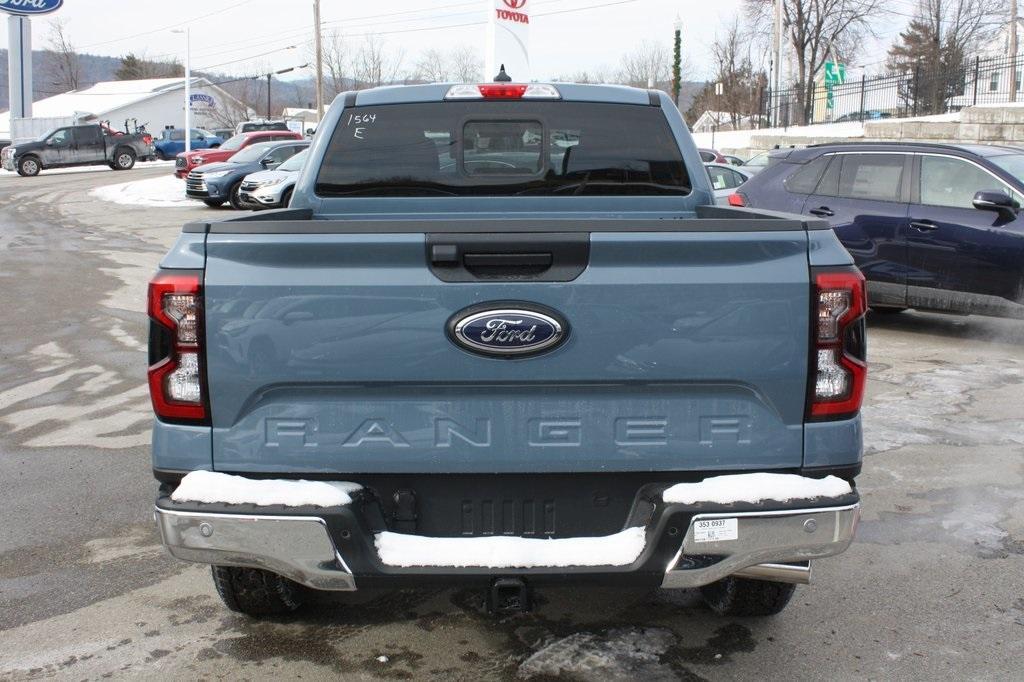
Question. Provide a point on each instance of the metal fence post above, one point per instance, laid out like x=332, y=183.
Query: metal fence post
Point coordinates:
x=860, y=112
x=809, y=105
x=917, y=77
x=977, y=69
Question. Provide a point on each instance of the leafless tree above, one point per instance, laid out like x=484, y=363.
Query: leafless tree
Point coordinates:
x=735, y=71
x=433, y=66
x=374, y=64
x=466, y=65
x=61, y=62
x=337, y=63
x=649, y=62
x=816, y=30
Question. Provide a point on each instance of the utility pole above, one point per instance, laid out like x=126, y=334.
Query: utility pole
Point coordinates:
x=318, y=48
x=269, y=78
x=1013, y=50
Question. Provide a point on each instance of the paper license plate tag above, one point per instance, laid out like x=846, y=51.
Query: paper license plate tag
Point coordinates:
x=715, y=530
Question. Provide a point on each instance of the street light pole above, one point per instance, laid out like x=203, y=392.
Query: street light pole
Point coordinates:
x=188, y=86
x=318, y=47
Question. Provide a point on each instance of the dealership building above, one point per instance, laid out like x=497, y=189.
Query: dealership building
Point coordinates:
x=156, y=103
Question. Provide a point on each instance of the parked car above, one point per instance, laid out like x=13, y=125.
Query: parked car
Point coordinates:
x=732, y=160
x=224, y=133
x=257, y=126
x=81, y=145
x=507, y=361
x=757, y=163
x=272, y=188
x=711, y=156
x=184, y=163
x=725, y=179
x=872, y=115
x=932, y=226
x=215, y=183
x=172, y=142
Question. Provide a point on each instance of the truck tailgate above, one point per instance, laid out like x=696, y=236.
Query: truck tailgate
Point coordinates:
x=328, y=352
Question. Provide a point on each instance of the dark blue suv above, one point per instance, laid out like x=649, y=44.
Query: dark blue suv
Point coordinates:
x=931, y=226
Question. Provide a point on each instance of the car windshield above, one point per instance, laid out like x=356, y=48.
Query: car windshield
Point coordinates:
x=758, y=160
x=252, y=153
x=294, y=163
x=1011, y=163
x=235, y=142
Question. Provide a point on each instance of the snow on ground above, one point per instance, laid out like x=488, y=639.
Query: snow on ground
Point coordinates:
x=166, y=190
x=620, y=549
x=92, y=169
x=755, y=488
x=213, y=487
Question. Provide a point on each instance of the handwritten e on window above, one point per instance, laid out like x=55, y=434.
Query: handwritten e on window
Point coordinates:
x=360, y=121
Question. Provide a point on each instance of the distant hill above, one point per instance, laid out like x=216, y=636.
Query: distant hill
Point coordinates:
x=292, y=93
x=94, y=69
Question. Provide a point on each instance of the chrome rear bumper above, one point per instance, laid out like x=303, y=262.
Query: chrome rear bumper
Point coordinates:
x=764, y=539
x=297, y=547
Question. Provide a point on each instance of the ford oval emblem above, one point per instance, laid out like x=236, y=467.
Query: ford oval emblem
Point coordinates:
x=27, y=7
x=507, y=331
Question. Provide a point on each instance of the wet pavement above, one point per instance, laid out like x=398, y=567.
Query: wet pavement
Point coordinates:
x=933, y=587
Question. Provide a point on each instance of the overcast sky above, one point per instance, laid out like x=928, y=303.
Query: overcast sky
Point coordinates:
x=230, y=36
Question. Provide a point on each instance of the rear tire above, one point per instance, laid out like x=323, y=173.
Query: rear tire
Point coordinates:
x=747, y=598
x=256, y=592
x=124, y=159
x=213, y=203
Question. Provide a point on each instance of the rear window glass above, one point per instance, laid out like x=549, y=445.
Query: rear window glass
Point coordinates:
x=497, y=148
x=871, y=176
x=806, y=177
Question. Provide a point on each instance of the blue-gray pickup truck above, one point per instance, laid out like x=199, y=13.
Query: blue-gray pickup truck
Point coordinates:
x=503, y=337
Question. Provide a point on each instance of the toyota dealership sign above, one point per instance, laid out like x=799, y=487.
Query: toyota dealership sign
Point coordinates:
x=508, y=39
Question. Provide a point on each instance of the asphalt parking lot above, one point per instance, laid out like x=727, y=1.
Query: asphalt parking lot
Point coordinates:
x=932, y=588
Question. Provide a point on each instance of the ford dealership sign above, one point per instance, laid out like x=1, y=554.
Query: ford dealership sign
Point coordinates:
x=28, y=7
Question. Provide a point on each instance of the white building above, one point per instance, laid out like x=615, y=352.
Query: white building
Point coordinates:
x=155, y=103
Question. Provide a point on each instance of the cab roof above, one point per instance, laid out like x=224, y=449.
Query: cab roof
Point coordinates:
x=570, y=92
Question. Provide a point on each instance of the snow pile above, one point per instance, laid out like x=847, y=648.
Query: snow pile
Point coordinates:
x=166, y=190
x=213, y=487
x=620, y=549
x=625, y=654
x=755, y=488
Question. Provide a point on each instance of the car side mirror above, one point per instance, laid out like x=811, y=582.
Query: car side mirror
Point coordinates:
x=50, y=142
x=996, y=200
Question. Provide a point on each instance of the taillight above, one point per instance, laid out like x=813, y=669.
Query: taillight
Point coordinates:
x=737, y=199
x=177, y=383
x=148, y=139
x=839, y=362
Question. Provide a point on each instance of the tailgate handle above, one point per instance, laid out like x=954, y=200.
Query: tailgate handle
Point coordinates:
x=493, y=260
x=508, y=256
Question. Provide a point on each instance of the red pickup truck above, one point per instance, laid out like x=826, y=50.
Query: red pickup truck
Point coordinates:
x=186, y=161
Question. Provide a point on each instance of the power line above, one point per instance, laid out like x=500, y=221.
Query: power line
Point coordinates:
x=436, y=28
x=165, y=28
